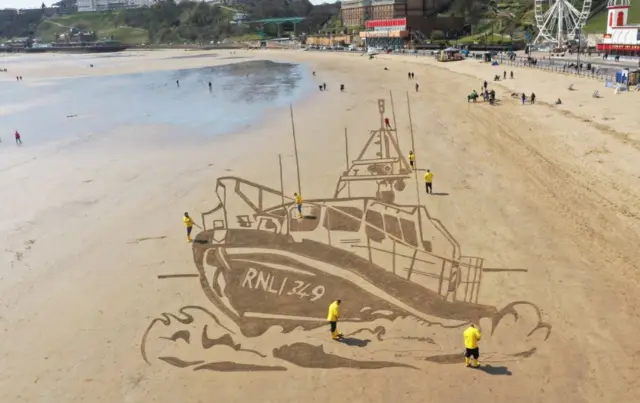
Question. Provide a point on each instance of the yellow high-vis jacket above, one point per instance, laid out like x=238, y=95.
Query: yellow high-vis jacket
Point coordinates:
x=471, y=337
x=334, y=312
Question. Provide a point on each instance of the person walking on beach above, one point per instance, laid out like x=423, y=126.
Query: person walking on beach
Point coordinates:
x=533, y=98
x=524, y=98
x=428, y=181
x=485, y=85
x=332, y=317
x=409, y=76
x=417, y=86
x=412, y=159
x=188, y=222
x=18, y=138
x=298, y=203
x=471, y=338
x=512, y=74
x=341, y=87
x=178, y=83
x=387, y=124
x=324, y=86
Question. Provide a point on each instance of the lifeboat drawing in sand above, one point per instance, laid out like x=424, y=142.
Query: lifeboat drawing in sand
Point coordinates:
x=262, y=265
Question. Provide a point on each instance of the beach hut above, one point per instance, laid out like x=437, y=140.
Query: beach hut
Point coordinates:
x=449, y=55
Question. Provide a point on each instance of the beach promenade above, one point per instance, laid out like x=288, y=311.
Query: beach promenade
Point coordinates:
x=546, y=194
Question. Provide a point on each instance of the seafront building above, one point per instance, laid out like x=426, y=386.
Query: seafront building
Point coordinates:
x=621, y=37
x=393, y=23
x=105, y=5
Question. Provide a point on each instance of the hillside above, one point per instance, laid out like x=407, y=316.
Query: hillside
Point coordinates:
x=192, y=22
x=168, y=22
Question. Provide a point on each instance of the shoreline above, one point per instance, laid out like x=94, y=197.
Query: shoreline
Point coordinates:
x=533, y=187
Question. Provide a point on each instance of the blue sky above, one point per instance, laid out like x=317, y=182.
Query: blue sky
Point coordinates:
x=37, y=3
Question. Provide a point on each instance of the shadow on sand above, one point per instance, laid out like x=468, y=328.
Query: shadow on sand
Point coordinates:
x=353, y=342
x=488, y=369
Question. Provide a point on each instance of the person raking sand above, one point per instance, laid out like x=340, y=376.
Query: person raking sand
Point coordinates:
x=471, y=338
x=332, y=317
x=299, y=204
x=412, y=159
x=188, y=222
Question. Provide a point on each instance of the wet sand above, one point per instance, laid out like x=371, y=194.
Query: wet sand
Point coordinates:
x=553, y=190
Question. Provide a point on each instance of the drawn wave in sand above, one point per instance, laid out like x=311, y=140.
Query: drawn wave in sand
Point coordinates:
x=197, y=338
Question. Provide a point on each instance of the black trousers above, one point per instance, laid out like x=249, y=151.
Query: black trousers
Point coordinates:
x=472, y=352
x=334, y=326
x=428, y=186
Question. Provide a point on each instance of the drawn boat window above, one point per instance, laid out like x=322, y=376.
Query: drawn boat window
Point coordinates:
x=218, y=224
x=392, y=226
x=409, y=232
x=343, y=219
x=308, y=223
x=374, y=218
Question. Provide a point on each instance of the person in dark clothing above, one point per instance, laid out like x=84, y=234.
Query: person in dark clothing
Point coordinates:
x=524, y=98
x=324, y=86
x=341, y=87
x=533, y=98
x=417, y=87
x=504, y=75
x=210, y=87
x=178, y=83
x=485, y=85
x=409, y=76
x=512, y=74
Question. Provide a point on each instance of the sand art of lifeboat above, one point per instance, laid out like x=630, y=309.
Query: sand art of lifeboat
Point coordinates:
x=262, y=266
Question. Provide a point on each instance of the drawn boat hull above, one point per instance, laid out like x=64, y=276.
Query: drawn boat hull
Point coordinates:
x=261, y=280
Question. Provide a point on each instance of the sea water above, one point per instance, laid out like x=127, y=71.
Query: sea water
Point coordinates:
x=240, y=95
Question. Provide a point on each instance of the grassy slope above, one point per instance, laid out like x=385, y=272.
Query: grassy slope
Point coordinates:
x=598, y=23
x=103, y=23
x=106, y=24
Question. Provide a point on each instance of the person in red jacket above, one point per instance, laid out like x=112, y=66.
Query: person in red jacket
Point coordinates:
x=18, y=140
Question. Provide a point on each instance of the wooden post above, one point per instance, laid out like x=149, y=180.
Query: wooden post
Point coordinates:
x=346, y=149
x=295, y=148
x=393, y=112
x=413, y=146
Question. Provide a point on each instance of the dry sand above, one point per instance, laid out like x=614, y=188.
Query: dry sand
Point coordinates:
x=553, y=190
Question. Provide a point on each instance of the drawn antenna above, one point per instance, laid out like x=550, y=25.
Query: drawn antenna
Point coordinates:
x=380, y=161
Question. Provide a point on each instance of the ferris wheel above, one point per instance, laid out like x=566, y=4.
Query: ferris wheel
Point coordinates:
x=560, y=20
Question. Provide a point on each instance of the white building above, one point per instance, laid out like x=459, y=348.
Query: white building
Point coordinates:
x=104, y=5
x=621, y=37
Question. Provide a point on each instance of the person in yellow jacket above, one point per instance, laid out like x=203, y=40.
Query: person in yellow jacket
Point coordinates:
x=298, y=203
x=471, y=337
x=188, y=222
x=428, y=181
x=412, y=159
x=332, y=317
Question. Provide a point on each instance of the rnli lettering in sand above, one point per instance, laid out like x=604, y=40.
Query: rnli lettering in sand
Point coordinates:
x=260, y=280
x=407, y=289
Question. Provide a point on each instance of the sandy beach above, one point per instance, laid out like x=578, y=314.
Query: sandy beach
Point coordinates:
x=546, y=194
